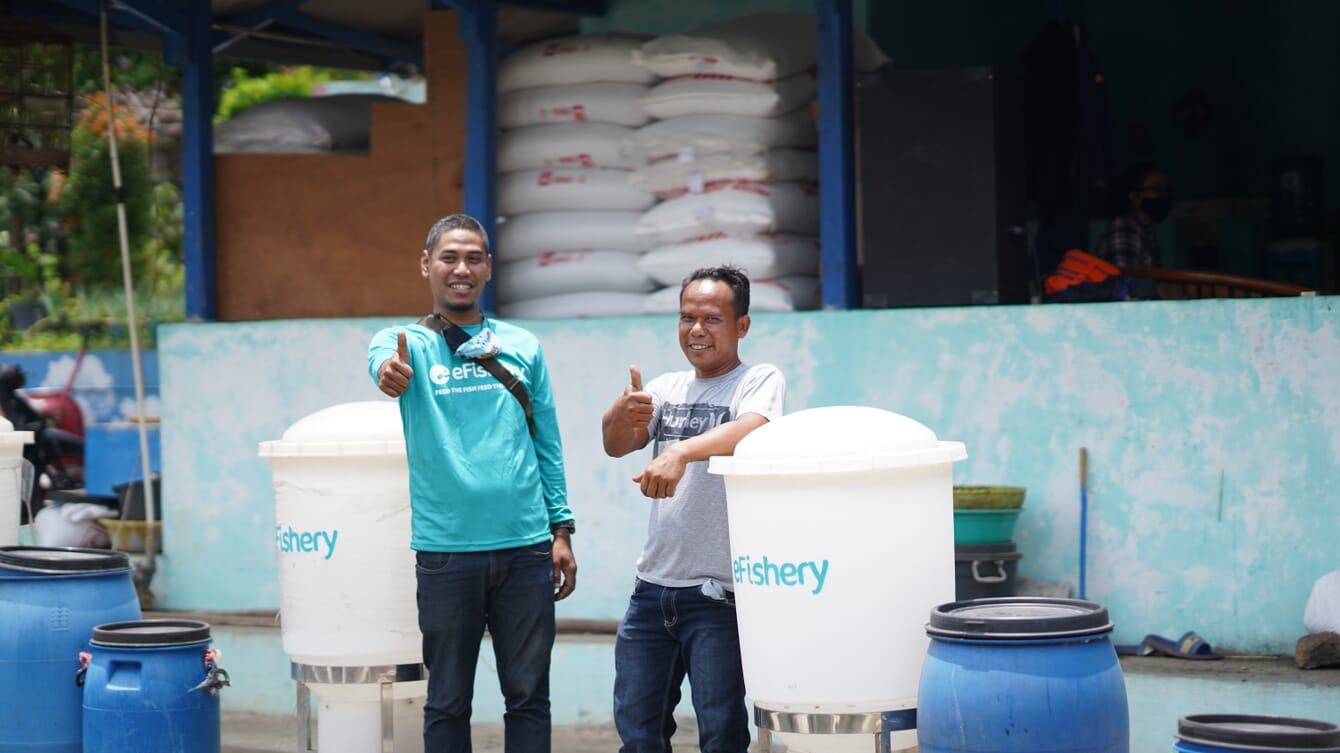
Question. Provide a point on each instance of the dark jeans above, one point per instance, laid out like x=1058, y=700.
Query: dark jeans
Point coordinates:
x=666, y=633
x=512, y=592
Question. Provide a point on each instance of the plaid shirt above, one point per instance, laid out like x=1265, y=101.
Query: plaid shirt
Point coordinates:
x=1128, y=242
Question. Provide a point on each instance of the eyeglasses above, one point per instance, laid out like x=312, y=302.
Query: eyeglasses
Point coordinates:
x=1157, y=190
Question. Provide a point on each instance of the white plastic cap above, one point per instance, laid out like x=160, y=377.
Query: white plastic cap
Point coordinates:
x=364, y=428
x=836, y=439
x=10, y=438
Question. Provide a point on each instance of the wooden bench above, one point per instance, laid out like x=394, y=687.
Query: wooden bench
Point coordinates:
x=1183, y=284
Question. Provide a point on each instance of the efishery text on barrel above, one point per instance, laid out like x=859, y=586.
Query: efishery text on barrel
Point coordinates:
x=152, y=685
x=53, y=598
x=1021, y=675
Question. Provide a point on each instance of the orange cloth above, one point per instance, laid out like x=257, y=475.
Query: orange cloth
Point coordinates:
x=1077, y=267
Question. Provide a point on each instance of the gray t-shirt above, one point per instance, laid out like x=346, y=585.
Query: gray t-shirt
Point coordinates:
x=687, y=536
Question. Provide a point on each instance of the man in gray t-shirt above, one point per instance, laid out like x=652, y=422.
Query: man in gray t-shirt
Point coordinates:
x=681, y=617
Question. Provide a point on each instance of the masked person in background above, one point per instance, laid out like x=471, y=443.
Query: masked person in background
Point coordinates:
x=1128, y=240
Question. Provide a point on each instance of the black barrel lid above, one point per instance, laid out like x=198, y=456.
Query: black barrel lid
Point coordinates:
x=147, y=633
x=999, y=551
x=1018, y=618
x=64, y=559
x=1254, y=732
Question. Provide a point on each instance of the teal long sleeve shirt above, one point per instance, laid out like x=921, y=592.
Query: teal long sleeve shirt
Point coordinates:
x=478, y=479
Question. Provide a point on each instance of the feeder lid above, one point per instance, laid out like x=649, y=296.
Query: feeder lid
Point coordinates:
x=836, y=439
x=1018, y=618
x=9, y=437
x=44, y=559
x=1259, y=733
x=350, y=429
x=149, y=633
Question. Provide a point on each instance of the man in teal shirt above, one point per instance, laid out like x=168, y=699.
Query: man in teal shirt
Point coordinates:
x=490, y=526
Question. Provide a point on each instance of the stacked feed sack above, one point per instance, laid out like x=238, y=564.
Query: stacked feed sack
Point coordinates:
x=565, y=244
x=732, y=155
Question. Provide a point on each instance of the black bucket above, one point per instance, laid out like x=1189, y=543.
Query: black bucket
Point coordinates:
x=1221, y=733
x=985, y=570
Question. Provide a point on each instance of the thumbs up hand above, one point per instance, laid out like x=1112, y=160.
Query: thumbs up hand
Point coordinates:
x=394, y=375
x=636, y=404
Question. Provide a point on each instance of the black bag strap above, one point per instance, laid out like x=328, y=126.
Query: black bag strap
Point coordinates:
x=456, y=337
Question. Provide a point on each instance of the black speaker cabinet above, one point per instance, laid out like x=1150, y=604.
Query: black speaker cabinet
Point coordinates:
x=941, y=193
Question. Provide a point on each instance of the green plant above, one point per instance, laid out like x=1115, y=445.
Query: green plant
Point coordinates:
x=128, y=68
x=88, y=197
x=247, y=91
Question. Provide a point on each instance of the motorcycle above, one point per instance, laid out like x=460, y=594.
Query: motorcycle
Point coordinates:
x=57, y=451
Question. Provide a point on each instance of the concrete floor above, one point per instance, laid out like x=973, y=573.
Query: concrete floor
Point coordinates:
x=1160, y=690
x=254, y=733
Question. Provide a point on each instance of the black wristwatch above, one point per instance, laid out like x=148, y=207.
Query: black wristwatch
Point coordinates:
x=571, y=525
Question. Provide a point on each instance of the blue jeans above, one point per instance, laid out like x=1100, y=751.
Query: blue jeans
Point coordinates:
x=666, y=633
x=512, y=592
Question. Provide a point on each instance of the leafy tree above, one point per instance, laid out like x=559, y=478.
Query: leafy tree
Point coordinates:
x=130, y=69
x=88, y=199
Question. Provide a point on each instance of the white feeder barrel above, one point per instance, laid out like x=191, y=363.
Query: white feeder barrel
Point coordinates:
x=842, y=540
x=11, y=480
x=342, y=535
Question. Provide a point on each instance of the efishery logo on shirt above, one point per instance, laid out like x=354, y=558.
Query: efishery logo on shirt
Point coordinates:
x=477, y=376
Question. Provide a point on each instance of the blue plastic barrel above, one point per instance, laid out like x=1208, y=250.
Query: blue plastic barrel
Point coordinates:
x=50, y=601
x=1021, y=675
x=1223, y=733
x=152, y=686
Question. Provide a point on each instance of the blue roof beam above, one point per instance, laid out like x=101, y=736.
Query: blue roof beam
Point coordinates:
x=255, y=20
x=85, y=13
x=580, y=7
x=391, y=50
x=163, y=17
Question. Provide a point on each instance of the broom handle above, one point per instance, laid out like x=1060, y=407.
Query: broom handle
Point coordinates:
x=1083, y=519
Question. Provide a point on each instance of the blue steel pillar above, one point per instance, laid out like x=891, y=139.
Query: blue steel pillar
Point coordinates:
x=837, y=180
x=194, y=56
x=479, y=31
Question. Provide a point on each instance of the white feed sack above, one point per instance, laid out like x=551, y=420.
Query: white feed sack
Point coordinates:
x=791, y=293
x=524, y=236
x=585, y=144
x=301, y=125
x=576, y=306
x=672, y=178
x=579, y=59
x=759, y=47
x=603, y=102
x=741, y=210
x=576, y=272
x=691, y=136
x=706, y=93
x=577, y=188
x=760, y=256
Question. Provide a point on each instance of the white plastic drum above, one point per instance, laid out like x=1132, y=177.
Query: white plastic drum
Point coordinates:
x=842, y=540
x=342, y=533
x=11, y=480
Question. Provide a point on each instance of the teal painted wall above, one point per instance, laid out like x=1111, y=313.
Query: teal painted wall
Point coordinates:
x=1213, y=429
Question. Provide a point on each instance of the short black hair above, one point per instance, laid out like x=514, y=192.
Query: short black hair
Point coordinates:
x=729, y=274
x=1137, y=173
x=456, y=222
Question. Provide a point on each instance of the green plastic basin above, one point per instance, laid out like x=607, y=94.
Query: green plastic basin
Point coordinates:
x=984, y=526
